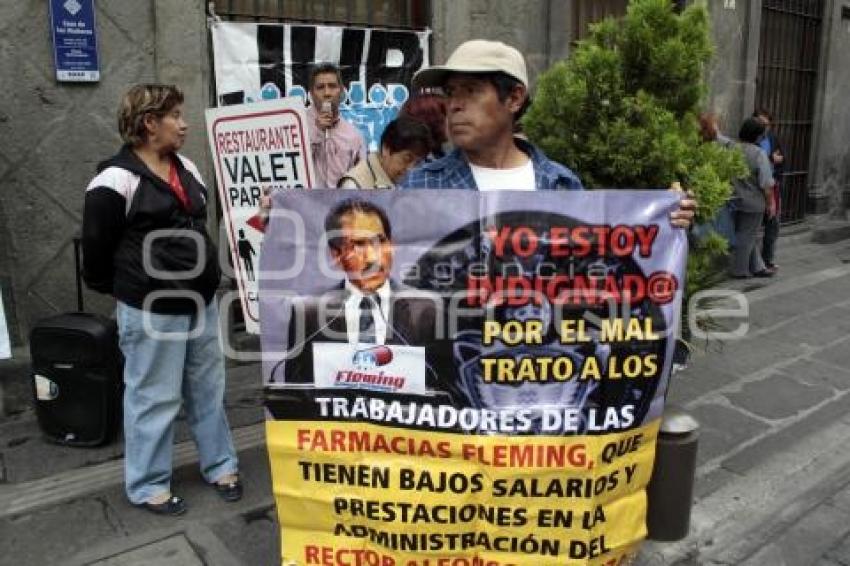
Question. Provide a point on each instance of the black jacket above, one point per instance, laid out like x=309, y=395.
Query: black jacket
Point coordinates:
x=412, y=322
x=124, y=204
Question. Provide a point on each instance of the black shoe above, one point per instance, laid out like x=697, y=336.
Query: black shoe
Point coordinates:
x=230, y=492
x=765, y=273
x=173, y=506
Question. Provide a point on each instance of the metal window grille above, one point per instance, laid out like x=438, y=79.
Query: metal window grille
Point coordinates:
x=785, y=86
x=400, y=14
x=586, y=12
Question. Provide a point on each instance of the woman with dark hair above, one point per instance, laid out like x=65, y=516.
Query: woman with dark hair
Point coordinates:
x=709, y=130
x=404, y=143
x=145, y=243
x=752, y=198
x=430, y=109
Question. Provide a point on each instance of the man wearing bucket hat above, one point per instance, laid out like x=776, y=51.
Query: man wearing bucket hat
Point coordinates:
x=486, y=87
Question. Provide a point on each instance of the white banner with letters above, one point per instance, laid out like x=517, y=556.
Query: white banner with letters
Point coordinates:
x=254, y=62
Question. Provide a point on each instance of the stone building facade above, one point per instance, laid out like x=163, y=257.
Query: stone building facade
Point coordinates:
x=53, y=134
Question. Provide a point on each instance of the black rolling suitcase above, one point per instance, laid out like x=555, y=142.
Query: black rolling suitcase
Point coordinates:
x=77, y=375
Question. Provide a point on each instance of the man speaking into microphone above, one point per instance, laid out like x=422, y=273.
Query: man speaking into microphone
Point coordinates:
x=336, y=145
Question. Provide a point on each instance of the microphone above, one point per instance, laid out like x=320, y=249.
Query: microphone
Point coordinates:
x=327, y=108
x=303, y=342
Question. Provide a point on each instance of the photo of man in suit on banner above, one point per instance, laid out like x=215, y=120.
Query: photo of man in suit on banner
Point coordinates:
x=367, y=311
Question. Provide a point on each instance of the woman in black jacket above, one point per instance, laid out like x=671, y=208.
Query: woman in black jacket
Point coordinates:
x=145, y=243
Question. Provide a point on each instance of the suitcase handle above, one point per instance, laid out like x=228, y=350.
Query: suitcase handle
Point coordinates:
x=78, y=270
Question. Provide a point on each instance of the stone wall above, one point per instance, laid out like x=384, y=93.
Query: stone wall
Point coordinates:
x=53, y=134
x=732, y=72
x=830, y=161
x=539, y=28
x=732, y=84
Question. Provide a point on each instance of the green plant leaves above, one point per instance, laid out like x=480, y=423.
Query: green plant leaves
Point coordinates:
x=621, y=112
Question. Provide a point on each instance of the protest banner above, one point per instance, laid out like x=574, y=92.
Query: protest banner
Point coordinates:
x=265, y=61
x=459, y=378
x=255, y=148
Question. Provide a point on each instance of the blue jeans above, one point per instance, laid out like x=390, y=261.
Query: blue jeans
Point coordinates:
x=159, y=373
x=746, y=259
x=724, y=222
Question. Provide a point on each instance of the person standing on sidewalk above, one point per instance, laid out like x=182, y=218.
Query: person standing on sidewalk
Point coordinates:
x=404, y=143
x=770, y=144
x=753, y=198
x=336, y=145
x=723, y=223
x=145, y=242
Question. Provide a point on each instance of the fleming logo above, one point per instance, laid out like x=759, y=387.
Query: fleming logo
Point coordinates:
x=366, y=375
x=372, y=358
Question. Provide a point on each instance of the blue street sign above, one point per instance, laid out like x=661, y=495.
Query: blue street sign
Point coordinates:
x=74, y=40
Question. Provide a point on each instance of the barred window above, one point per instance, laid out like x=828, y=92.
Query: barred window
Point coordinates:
x=373, y=13
x=586, y=12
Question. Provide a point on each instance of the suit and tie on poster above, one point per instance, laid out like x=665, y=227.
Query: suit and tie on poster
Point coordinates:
x=379, y=325
x=460, y=376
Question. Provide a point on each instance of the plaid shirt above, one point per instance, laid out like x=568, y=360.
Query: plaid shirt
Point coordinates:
x=453, y=172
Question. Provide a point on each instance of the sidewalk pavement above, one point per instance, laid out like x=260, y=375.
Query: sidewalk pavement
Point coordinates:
x=773, y=477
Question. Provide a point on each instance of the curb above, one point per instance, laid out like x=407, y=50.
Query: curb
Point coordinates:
x=15, y=389
x=166, y=546
x=831, y=231
x=814, y=229
x=795, y=236
x=26, y=497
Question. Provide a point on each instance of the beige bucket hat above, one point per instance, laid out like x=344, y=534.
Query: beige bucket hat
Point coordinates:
x=475, y=56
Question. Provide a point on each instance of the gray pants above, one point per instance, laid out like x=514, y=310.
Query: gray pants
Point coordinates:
x=747, y=258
